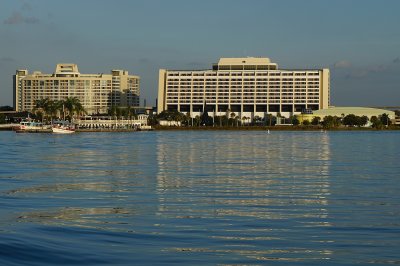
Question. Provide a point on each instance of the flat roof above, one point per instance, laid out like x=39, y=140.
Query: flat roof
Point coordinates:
x=245, y=61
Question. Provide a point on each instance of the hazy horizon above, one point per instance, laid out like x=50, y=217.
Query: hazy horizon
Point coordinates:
x=357, y=40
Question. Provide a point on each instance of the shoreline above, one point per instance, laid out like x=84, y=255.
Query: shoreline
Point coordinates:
x=240, y=128
x=273, y=128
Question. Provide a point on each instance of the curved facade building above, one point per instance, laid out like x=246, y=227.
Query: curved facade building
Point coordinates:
x=343, y=111
x=358, y=111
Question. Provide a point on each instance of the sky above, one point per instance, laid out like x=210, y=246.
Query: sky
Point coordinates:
x=358, y=40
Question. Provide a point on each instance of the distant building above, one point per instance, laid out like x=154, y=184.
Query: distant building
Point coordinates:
x=343, y=111
x=245, y=86
x=109, y=122
x=97, y=92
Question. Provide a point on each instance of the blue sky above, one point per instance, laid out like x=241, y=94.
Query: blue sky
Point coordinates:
x=358, y=40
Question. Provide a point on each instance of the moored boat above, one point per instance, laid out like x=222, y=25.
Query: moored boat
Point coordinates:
x=63, y=127
x=32, y=127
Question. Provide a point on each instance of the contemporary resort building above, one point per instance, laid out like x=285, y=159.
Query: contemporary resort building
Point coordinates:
x=96, y=92
x=245, y=86
x=343, y=111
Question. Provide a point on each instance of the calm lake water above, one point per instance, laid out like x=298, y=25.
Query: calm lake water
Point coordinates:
x=195, y=198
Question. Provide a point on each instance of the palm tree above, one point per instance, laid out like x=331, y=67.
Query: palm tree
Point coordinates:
x=73, y=105
x=270, y=119
x=197, y=120
x=233, y=115
x=237, y=118
x=42, y=107
x=68, y=104
x=128, y=113
x=79, y=109
x=244, y=118
x=53, y=108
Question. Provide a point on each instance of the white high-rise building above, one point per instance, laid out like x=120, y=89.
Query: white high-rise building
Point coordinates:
x=96, y=92
x=246, y=86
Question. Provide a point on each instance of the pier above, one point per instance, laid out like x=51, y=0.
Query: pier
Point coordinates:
x=108, y=123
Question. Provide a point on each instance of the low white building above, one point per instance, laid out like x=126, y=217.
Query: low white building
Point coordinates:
x=109, y=122
x=344, y=111
x=358, y=111
x=170, y=123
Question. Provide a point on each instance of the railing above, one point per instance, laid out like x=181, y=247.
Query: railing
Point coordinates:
x=115, y=123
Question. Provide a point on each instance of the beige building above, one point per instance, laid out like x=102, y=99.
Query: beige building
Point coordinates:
x=245, y=86
x=97, y=92
x=343, y=111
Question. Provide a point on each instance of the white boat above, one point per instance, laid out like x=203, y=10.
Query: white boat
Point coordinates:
x=31, y=127
x=63, y=127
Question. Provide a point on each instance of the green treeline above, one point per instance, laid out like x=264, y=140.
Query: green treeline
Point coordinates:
x=233, y=120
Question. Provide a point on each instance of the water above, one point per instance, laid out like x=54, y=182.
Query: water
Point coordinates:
x=200, y=198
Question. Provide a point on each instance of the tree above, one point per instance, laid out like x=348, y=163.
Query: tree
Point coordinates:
x=152, y=120
x=270, y=119
x=6, y=108
x=69, y=105
x=244, y=118
x=206, y=120
x=316, y=120
x=178, y=116
x=112, y=111
x=39, y=115
x=54, y=107
x=385, y=119
x=331, y=121
x=41, y=108
x=197, y=120
x=73, y=106
x=223, y=120
x=237, y=118
x=363, y=121
x=257, y=120
x=376, y=122
x=295, y=121
x=118, y=112
x=350, y=120
x=2, y=118
x=232, y=119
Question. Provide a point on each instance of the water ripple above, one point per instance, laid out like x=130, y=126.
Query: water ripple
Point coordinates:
x=194, y=198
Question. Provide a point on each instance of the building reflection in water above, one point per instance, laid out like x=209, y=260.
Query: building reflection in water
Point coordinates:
x=91, y=181
x=249, y=188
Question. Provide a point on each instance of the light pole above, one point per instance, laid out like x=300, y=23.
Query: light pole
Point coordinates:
x=213, y=117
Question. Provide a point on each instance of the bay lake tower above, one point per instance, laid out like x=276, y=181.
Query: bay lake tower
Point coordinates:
x=97, y=92
x=247, y=86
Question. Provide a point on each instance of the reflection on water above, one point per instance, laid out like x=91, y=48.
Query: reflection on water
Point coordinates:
x=53, y=188
x=228, y=198
x=78, y=216
x=265, y=178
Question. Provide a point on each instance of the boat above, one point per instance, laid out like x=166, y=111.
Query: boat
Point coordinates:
x=63, y=127
x=32, y=127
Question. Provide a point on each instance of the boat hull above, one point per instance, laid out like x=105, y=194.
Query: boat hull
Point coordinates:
x=62, y=130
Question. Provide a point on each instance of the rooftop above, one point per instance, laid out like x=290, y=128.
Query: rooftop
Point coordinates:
x=338, y=111
x=245, y=61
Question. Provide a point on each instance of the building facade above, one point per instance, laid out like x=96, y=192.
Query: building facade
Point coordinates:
x=343, y=111
x=96, y=92
x=245, y=86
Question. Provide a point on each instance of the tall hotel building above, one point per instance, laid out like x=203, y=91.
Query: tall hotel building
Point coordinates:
x=246, y=86
x=96, y=92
